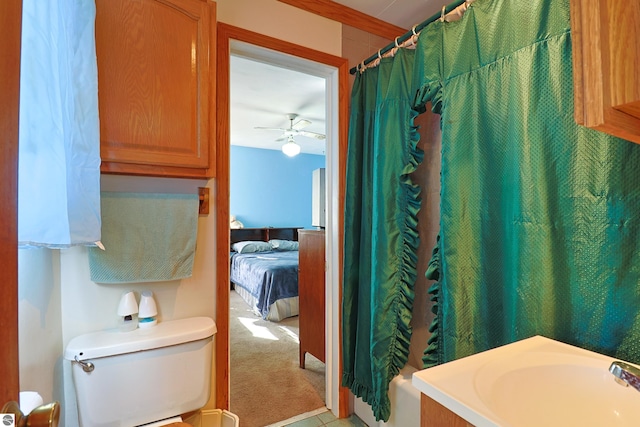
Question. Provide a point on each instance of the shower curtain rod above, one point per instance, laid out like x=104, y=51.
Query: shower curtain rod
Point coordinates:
x=403, y=38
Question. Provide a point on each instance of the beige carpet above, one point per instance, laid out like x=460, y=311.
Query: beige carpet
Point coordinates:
x=267, y=383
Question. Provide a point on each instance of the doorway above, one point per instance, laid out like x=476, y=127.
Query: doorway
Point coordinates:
x=335, y=70
x=271, y=189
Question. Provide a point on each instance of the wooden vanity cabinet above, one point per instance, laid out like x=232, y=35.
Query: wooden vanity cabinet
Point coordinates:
x=156, y=86
x=606, y=66
x=311, y=293
x=433, y=414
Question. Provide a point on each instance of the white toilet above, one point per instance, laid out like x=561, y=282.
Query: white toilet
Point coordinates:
x=125, y=379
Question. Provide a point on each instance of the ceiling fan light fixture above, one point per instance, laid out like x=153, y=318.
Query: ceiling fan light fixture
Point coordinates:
x=290, y=148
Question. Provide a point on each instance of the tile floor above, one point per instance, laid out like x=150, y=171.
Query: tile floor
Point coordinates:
x=320, y=418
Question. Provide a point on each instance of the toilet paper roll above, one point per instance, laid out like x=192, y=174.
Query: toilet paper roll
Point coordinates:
x=29, y=400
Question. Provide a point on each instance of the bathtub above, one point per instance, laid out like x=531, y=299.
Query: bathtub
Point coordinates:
x=405, y=403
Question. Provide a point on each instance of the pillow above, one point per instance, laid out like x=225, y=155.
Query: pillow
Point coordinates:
x=250, y=246
x=283, y=245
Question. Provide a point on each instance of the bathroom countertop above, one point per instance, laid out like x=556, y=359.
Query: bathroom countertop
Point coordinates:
x=531, y=383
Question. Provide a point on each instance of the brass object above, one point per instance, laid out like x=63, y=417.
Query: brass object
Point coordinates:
x=43, y=416
x=13, y=408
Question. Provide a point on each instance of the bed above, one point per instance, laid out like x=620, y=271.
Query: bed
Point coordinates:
x=264, y=270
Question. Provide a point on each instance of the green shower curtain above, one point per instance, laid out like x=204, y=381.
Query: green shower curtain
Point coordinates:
x=380, y=239
x=540, y=218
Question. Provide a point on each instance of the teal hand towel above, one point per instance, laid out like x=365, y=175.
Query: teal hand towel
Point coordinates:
x=147, y=237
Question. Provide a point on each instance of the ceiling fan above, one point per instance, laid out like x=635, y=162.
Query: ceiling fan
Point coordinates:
x=290, y=148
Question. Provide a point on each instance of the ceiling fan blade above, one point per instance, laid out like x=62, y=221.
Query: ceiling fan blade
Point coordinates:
x=265, y=128
x=282, y=138
x=311, y=134
x=302, y=123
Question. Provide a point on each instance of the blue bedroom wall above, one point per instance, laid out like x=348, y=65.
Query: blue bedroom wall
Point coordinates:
x=269, y=189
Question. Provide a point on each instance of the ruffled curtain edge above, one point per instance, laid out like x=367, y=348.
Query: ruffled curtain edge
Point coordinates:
x=403, y=301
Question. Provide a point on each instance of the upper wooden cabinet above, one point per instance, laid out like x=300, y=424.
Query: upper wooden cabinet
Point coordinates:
x=606, y=65
x=156, y=86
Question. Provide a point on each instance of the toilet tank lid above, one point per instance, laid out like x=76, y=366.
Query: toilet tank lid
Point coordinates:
x=113, y=342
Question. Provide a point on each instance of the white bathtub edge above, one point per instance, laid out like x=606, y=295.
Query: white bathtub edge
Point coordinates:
x=405, y=403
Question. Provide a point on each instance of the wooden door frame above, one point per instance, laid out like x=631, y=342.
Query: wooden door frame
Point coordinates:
x=11, y=21
x=226, y=33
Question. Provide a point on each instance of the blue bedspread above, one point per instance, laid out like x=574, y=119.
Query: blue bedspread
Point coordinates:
x=268, y=276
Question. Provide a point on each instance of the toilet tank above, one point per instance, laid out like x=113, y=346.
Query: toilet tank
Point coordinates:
x=144, y=375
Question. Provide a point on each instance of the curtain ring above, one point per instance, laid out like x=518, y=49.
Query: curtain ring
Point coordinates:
x=379, y=56
x=396, y=42
x=414, y=38
x=442, y=13
x=362, y=67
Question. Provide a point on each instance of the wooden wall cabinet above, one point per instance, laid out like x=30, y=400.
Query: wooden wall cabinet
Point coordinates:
x=311, y=293
x=156, y=86
x=606, y=66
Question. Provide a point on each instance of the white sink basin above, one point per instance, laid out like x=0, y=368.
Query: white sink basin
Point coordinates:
x=533, y=382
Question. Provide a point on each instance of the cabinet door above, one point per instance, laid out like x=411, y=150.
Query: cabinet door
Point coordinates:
x=433, y=414
x=156, y=77
x=606, y=66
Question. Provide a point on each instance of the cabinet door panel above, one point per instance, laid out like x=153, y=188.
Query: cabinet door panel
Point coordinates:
x=153, y=81
x=624, y=18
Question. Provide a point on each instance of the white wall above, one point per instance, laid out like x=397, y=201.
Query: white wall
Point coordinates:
x=284, y=22
x=40, y=327
x=58, y=301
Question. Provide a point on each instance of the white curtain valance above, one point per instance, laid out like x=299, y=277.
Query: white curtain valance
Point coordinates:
x=59, y=145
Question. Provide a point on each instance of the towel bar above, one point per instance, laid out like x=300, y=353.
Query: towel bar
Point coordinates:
x=203, y=195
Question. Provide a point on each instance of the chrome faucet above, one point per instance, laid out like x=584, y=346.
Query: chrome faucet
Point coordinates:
x=625, y=374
